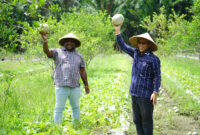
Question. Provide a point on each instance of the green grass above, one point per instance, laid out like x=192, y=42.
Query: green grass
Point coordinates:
x=178, y=76
x=184, y=71
x=190, y=65
x=27, y=102
x=16, y=63
x=7, y=67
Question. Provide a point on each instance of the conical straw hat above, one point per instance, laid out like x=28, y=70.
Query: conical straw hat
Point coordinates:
x=70, y=36
x=134, y=41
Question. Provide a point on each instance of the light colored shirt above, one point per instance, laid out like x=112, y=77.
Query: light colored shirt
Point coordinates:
x=67, y=67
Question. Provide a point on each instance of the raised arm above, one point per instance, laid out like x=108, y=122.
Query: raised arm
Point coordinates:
x=45, y=45
x=126, y=48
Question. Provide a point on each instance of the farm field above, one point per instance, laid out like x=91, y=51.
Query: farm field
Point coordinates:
x=27, y=93
x=181, y=77
x=27, y=101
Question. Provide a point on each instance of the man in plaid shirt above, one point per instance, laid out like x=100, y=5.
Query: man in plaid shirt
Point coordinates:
x=69, y=67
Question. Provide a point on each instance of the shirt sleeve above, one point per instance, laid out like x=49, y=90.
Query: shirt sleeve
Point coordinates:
x=82, y=62
x=157, y=76
x=54, y=52
x=126, y=48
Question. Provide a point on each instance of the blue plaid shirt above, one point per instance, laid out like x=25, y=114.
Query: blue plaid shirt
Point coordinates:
x=145, y=76
x=67, y=67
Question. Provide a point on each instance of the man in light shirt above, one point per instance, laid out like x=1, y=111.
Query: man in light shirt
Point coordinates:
x=69, y=67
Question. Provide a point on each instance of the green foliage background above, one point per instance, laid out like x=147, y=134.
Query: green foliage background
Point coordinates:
x=28, y=100
x=173, y=24
x=94, y=30
x=174, y=34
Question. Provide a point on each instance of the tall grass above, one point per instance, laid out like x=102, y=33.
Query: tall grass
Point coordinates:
x=181, y=77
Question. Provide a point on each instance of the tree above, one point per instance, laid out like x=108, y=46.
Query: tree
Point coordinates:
x=94, y=30
x=17, y=15
x=173, y=32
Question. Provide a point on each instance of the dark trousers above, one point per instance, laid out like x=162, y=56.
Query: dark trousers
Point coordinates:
x=143, y=115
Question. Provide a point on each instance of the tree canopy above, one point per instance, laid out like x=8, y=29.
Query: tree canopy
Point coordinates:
x=162, y=18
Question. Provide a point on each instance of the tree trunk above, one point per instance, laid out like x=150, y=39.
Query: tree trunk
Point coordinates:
x=102, y=5
x=109, y=6
x=116, y=46
x=67, y=3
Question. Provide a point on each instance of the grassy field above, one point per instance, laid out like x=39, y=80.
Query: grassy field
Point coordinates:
x=17, y=66
x=28, y=99
x=181, y=78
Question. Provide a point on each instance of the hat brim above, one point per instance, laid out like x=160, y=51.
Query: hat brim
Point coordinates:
x=134, y=41
x=76, y=41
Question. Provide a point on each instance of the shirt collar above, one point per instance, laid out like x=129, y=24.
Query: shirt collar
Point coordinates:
x=147, y=52
x=64, y=49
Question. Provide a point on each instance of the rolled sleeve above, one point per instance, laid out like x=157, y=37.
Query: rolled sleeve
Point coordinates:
x=54, y=52
x=82, y=65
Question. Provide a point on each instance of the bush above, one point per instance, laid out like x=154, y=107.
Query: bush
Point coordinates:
x=174, y=34
x=93, y=29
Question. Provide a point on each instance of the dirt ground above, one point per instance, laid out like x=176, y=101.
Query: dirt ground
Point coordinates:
x=167, y=120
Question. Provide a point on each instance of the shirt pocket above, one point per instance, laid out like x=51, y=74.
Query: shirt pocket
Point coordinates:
x=64, y=66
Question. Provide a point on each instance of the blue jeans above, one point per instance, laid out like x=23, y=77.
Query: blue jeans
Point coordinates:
x=143, y=115
x=62, y=93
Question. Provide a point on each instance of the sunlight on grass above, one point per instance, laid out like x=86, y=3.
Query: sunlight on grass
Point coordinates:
x=29, y=101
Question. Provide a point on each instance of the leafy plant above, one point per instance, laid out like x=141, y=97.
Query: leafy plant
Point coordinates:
x=30, y=109
x=93, y=29
x=173, y=33
x=181, y=78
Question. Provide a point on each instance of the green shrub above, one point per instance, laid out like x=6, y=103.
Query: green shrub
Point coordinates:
x=173, y=33
x=94, y=30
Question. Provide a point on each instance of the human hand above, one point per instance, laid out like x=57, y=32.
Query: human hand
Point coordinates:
x=87, y=90
x=117, y=28
x=44, y=35
x=154, y=98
